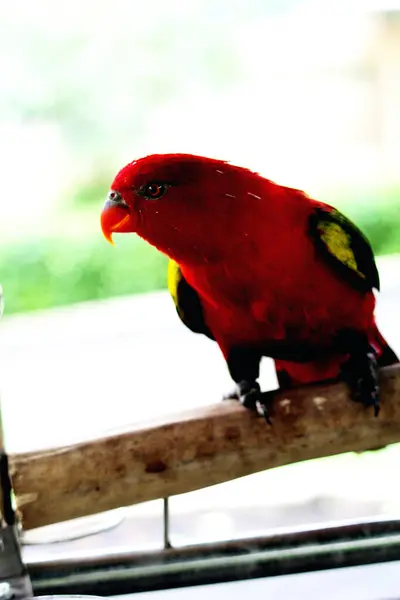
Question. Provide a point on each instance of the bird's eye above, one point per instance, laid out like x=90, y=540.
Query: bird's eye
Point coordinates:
x=153, y=191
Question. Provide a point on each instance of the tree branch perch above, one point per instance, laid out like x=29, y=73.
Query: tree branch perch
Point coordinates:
x=200, y=448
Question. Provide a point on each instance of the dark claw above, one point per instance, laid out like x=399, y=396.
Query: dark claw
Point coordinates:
x=361, y=374
x=249, y=395
x=243, y=388
x=263, y=411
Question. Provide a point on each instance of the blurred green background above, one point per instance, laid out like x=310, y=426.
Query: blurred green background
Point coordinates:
x=88, y=87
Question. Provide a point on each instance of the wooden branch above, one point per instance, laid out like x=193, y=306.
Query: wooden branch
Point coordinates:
x=200, y=448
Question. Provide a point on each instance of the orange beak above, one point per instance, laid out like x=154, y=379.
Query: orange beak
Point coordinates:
x=114, y=216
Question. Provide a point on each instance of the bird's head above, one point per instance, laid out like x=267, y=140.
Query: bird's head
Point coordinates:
x=180, y=203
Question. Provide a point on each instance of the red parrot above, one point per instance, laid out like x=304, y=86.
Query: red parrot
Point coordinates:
x=262, y=269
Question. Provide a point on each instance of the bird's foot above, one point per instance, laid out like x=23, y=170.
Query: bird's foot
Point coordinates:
x=361, y=372
x=249, y=395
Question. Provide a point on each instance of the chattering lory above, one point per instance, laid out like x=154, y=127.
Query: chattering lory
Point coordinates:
x=262, y=269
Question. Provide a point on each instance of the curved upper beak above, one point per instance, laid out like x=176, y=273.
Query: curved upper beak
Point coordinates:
x=115, y=214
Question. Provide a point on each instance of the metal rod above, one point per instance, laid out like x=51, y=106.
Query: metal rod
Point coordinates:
x=7, y=514
x=6, y=507
x=14, y=579
x=279, y=554
x=166, y=523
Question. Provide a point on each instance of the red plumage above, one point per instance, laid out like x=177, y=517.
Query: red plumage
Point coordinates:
x=245, y=245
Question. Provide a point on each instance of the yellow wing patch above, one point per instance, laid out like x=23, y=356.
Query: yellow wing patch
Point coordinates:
x=174, y=276
x=338, y=242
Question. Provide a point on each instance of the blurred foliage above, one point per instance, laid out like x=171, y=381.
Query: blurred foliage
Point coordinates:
x=58, y=73
x=91, y=189
x=54, y=272
x=375, y=212
x=62, y=270
x=113, y=80
x=380, y=227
